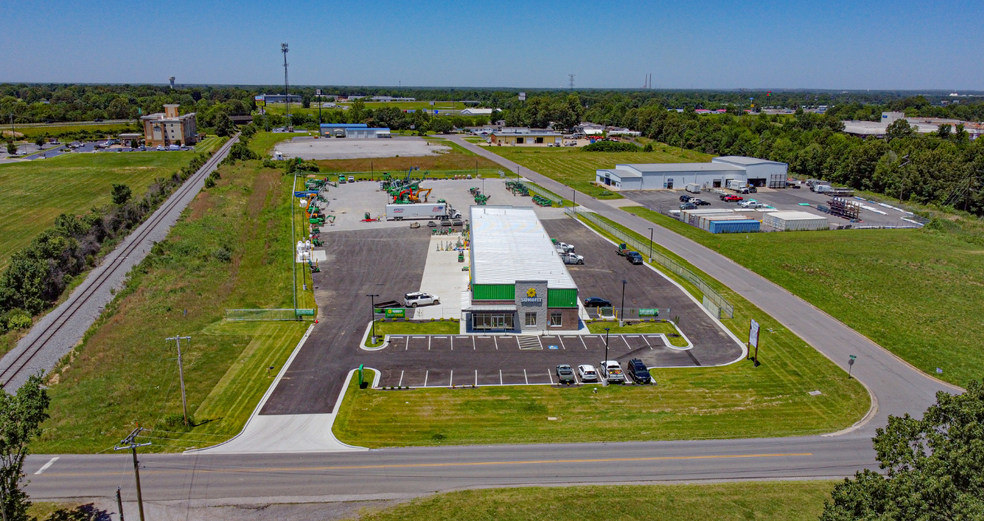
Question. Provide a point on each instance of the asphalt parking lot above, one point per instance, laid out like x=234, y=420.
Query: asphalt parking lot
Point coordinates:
x=443, y=361
x=390, y=262
x=782, y=199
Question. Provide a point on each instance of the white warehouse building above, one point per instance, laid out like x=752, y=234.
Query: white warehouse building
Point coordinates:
x=716, y=174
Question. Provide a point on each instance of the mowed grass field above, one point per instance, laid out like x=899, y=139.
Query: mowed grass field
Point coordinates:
x=763, y=501
x=576, y=168
x=734, y=401
x=36, y=192
x=916, y=293
x=231, y=249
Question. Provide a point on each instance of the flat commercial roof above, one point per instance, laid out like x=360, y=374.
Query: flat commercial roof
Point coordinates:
x=796, y=216
x=684, y=167
x=510, y=244
x=743, y=160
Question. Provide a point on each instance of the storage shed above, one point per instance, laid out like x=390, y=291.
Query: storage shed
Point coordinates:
x=734, y=226
x=795, y=221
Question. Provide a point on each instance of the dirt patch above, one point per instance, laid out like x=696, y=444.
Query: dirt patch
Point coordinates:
x=201, y=204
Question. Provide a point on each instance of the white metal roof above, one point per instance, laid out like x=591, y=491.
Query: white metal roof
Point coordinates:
x=796, y=216
x=510, y=244
x=683, y=167
x=744, y=161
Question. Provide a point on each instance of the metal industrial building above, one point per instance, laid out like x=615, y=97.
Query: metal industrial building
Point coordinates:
x=518, y=281
x=525, y=137
x=716, y=174
x=353, y=130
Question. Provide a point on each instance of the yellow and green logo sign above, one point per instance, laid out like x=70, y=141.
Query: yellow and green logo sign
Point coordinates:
x=531, y=292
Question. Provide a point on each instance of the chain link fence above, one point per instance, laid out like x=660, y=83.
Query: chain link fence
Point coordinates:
x=266, y=315
x=712, y=300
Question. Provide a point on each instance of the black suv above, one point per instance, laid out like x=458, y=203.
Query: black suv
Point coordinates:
x=638, y=371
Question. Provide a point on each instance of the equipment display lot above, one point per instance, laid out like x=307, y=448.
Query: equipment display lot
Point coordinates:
x=785, y=199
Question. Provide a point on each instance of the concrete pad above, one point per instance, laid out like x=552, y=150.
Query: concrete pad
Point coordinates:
x=347, y=148
x=443, y=277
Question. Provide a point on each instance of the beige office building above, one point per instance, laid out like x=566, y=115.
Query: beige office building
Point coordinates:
x=168, y=128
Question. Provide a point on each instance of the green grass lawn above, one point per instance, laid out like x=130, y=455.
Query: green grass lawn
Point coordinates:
x=913, y=292
x=435, y=327
x=231, y=249
x=637, y=328
x=734, y=401
x=576, y=168
x=36, y=192
x=763, y=501
x=263, y=142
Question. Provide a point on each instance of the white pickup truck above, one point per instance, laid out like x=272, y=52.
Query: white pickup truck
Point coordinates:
x=572, y=258
x=611, y=371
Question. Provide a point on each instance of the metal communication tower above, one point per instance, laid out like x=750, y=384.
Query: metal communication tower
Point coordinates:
x=571, y=81
x=283, y=49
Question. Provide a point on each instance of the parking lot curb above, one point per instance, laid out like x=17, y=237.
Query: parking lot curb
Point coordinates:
x=365, y=337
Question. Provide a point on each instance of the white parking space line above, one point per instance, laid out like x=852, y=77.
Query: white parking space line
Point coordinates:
x=46, y=465
x=583, y=344
x=406, y=346
x=526, y=377
x=428, y=343
x=476, y=377
x=626, y=341
x=451, y=380
x=647, y=341
x=401, y=379
x=500, y=376
x=426, y=373
x=473, y=344
x=549, y=375
x=576, y=380
x=496, y=343
x=452, y=343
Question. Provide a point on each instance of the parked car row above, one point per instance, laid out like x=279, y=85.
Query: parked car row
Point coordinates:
x=609, y=371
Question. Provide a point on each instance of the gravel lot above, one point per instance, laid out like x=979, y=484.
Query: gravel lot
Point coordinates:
x=346, y=148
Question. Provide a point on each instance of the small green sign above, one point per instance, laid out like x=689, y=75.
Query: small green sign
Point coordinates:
x=396, y=313
x=648, y=312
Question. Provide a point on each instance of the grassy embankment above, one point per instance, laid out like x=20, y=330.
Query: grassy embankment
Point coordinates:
x=910, y=291
x=735, y=401
x=640, y=328
x=231, y=249
x=576, y=168
x=764, y=501
x=36, y=192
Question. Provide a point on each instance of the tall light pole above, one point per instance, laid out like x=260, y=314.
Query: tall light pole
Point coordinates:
x=650, y=245
x=606, y=348
x=372, y=314
x=622, y=307
x=283, y=49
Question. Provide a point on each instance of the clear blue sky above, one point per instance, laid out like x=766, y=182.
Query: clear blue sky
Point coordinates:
x=877, y=44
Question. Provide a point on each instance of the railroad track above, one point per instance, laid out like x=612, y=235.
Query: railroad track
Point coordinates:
x=22, y=360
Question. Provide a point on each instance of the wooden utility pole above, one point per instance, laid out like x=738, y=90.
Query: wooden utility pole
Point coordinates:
x=184, y=399
x=129, y=443
x=119, y=503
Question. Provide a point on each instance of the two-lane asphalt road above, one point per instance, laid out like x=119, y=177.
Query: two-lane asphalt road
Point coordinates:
x=415, y=471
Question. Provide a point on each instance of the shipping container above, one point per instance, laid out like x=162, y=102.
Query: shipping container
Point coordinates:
x=704, y=221
x=738, y=226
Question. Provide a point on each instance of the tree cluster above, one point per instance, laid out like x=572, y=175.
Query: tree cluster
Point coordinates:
x=933, y=467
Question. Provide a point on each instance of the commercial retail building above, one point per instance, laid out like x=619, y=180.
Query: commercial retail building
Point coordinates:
x=518, y=282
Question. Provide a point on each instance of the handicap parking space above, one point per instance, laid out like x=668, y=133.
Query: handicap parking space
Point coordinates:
x=553, y=343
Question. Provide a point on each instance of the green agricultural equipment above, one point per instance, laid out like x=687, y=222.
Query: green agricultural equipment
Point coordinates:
x=317, y=242
x=473, y=190
x=542, y=201
x=481, y=199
